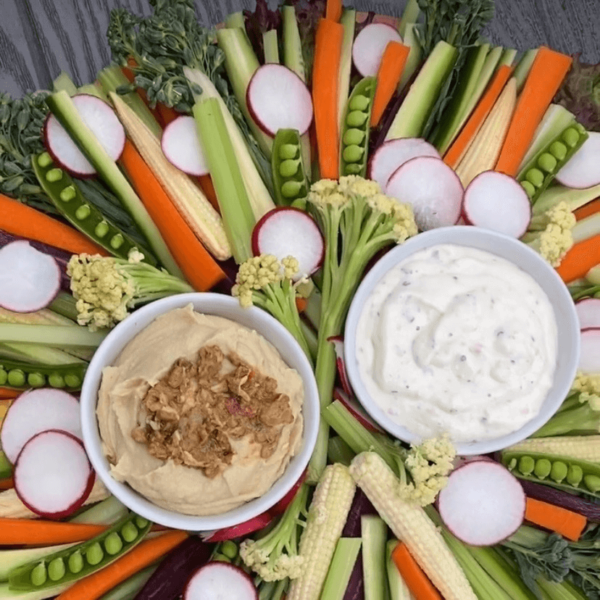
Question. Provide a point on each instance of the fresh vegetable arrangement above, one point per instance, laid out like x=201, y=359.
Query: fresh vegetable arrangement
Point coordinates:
x=275, y=158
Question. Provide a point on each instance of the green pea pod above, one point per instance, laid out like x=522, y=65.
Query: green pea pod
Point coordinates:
x=70, y=202
x=69, y=377
x=289, y=170
x=354, y=137
x=79, y=561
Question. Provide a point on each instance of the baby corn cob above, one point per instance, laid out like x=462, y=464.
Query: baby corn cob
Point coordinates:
x=326, y=519
x=411, y=524
x=581, y=447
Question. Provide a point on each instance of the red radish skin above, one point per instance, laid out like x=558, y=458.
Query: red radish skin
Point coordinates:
x=482, y=503
x=278, y=99
x=181, y=146
x=432, y=188
x=282, y=505
x=101, y=120
x=36, y=411
x=338, y=344
x=497, y=202
x=589, y=356
x=287, y=231
x=220, y=581
x=356, y=410
x=370, y=45
x=243, y=529
x=391, y=155
x=582, y=170
x=29, y=279
x=588, y=313
x=53, y=476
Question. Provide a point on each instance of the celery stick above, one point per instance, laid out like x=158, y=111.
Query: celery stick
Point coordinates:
x=111, y=78
x=574, y=198
x=311, y=338
x=93, y=90
x=235, y=20
x=374, y=536
x=524, y=66
x=340, y=569
x=398, y=588
x=130, y=587
x=50, y=335
x=236, y=211
x=313, y=308
x=413, y=61
x=414, y=112
x=410, y=16
x=271, y=45
x=33, y=353
x=348, y=21
x=63, y=108
x=107, y=512
x=64, y=83
x=338, y=451
x=292, y=44
x=508, y=57
x=241, y=64
x=593, y=275
x=8, y=593
x=65, y=305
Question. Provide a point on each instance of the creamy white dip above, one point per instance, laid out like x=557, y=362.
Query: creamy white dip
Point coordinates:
x=457, y=340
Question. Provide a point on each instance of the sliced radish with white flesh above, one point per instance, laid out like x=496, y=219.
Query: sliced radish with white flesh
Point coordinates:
x=29, y=279
x=497, y=202
x=391, y=155
x=356, y=410
x=102, y=122
x=432, y=188
x=582, y=171
x=53, y=476
x=482, y=503
x=36, y=411
x=220, y=581
x=338, y=344
x=287, y=231
x=589, y=354
x=370, y=45
x=181, y=146
x=241, y=530
x=278, y=99
x=588, y=313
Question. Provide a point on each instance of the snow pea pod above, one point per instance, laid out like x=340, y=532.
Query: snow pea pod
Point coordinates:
x=289, y=172
x=19, y=374
x=70, y=202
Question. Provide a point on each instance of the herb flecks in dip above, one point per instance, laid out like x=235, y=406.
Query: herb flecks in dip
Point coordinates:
x=460, y=341
x=194, y=412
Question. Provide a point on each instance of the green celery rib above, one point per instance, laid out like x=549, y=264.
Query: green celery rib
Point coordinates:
x=65, y=305
x=397, y=586
x=558, y=193
x=338, y=451
x=34, y=353
x=413, y=61
x=51, y=335
x=374, y=535
x=236, y=211
x=524, y=66
x=340, y=570
x=107, y=512
x=93, y=90
x=235, y=20
x=348, y=21
x=130, y=587
x=292, y=45
x=410, y=16
x=271, y=45
x=508, y=57
x=64, y=82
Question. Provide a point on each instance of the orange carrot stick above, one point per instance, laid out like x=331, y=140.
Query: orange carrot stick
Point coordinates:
x=580, y=259
x=390, y=71
x=7, y=484
x=206, y=185
x=24, y=221
x=467, y=134
x=167, y=114
x=416, y=581
x=45, y=533
x=333, y=10
x=198, y=266
x=8, y=393
x=567, y=523
x=587, y=210
x=328, y=51
x=546, y=76
x=97, y=584
x=301, y=304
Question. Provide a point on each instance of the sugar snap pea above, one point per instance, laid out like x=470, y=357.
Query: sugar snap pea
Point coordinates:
x=289, y=172
x=25, y=375
x=70, y=202
x=81, y=560
x=355, y=128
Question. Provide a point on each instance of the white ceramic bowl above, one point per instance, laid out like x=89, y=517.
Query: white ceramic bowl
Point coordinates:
x=526, y=259
x=222, y=306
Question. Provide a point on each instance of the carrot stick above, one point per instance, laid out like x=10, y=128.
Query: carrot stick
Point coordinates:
x=8, y=394
x=328, y=50
x=461, y=144
x=301, y=304
x=587, y=210
x=546, y=76
x=7, y=484
x=389, y=75
x=567, y=523
x=167, y=114
x=580, y=259
x=198, y=266
x=97, y=584
x=334, y=10
x=417, y=582
x=206, y=185
x=24, y=221
x=41, y=533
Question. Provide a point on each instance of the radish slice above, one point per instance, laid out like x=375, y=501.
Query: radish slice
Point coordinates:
x=53, y=476
x=370, y=45
x=588, y=312
x=103, y=123
x=432, y=188
x=278, y=99
x=356, y=410
x=36, y=411
x=391, y=155
x=220, y=581
x=582, y=170
x=241, y=530
x=181, y=146
x=29, y=279
x=589, y=354
x=338, y=344
x=498, y=202
x=287, y=231
x=482, y=503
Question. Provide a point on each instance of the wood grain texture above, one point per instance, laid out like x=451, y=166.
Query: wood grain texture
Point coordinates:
x=39, y=38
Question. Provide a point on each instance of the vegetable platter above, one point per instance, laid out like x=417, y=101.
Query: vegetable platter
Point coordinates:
x=178, y=169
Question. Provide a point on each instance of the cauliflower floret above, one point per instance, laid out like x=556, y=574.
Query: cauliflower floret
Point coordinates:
x=354, y=185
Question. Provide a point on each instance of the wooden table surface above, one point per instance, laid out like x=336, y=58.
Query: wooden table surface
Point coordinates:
x=39, y=38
